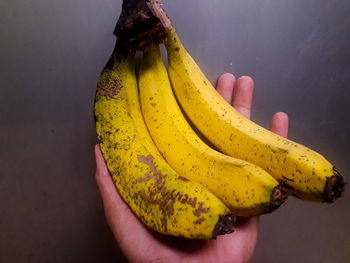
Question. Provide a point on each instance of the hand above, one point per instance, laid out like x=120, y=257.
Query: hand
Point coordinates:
x=142, y=245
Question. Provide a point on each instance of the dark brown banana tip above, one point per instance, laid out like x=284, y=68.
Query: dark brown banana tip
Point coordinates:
x=278, y=196
x=224, y=225
x=334, y=187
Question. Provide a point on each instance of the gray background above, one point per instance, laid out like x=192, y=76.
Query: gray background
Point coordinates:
x=51, y=53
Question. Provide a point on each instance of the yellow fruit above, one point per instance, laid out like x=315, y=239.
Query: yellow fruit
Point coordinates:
x=245, y=188
x=307, y=174
x=160, y=198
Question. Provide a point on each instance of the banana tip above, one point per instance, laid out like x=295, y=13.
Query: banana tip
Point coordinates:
x=224, y=225
x=335, y=185
x=278, y=197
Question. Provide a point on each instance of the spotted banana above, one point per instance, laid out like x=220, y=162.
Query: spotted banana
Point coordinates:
x=160, y=198
x=245, y=188
x=307, y=174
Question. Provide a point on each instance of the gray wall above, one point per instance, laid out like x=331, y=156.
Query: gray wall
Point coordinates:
x=51, y=53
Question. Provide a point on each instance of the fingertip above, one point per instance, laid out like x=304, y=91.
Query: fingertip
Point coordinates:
x=281, y=116
x=225, y=85
x=101, y=168
x=243, y=96
x=97, y=150
x=229, y=77
x=245, y=81
x=279, y=124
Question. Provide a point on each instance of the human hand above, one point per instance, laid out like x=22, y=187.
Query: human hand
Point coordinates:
x=140, y=244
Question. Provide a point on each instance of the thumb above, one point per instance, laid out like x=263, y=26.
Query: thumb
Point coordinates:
x=115, y=209
x=104, y=181
x=120, y=218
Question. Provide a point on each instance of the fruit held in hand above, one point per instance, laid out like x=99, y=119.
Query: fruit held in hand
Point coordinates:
x=307, y=174
x=198, y=199
x=160, y=198
x=245, y=188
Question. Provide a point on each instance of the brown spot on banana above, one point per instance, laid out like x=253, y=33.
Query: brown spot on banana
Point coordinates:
x=281, y=150
x=109, y=86
x=147, y=177
x=167, y=199
x=199, y=221
x=200, y=209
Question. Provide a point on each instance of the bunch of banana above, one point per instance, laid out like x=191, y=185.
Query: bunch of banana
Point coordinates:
x=173, y=181
x=307, y=174
x=245, y=188
x=160, y=198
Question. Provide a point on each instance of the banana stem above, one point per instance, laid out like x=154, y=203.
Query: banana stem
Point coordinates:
x=141, y=23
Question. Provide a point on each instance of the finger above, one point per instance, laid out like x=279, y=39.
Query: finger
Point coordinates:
x=104, y=180
x=115, y=209
x=242, y=100
x=120, y=218
x=279, y=124
x=225, y=85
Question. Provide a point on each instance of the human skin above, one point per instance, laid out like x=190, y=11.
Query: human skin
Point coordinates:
x=140, y=244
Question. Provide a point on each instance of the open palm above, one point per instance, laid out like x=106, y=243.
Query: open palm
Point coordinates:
x=140, y=244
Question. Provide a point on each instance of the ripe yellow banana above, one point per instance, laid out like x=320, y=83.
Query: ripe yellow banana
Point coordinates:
x=308, y=174
x=245, y=188
x=160, y=198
